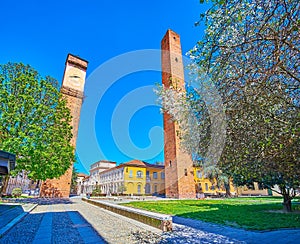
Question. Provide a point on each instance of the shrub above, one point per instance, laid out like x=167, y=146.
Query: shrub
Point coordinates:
x=96, y=191
x=16, y=192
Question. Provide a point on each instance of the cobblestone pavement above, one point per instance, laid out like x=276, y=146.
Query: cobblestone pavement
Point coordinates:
x=76, y=221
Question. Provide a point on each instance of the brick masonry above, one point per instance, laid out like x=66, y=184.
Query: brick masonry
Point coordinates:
x=72, y=90
x=179, y=178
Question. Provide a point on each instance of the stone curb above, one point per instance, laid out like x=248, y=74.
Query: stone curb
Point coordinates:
x=160, y=221
x=17, y=219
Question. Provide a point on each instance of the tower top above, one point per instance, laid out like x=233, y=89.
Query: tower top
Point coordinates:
x=77, y=61
x=172, y=65
x=171, y=37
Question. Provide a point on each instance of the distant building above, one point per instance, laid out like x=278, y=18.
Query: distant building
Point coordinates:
x=97, y=168
x=254, y=189
x=140, y=178
x=81, y=179
x=208, y=187
x=133, y=178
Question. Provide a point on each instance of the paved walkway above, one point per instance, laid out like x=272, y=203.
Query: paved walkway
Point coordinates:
x=79, y=222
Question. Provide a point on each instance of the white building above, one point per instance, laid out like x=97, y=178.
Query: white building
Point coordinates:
x=97, y=168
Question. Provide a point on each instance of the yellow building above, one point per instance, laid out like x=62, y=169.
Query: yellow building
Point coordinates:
x=133, y=178
x=254, y=189
x=208, y=187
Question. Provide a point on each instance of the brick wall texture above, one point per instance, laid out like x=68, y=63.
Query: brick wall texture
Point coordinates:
x=61, y=187
x=179, y=178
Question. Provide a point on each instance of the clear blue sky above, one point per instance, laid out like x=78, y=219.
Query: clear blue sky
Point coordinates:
x=120, y=119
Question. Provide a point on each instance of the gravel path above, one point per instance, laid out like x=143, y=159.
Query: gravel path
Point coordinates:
x=115, y=228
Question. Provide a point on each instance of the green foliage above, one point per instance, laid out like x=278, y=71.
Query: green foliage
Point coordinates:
x=250, y=55
x=16, y=192
x=34, y=122
x=96, y=191
x=121, y=189
x=251, y=51
x=249, y=213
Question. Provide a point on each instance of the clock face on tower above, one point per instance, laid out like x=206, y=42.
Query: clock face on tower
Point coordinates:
x=74, y=78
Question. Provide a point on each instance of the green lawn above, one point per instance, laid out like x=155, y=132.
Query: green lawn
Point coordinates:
x=248, y=213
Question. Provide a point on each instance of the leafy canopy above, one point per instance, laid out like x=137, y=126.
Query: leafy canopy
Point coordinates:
x=34, y=122
x=250, y=52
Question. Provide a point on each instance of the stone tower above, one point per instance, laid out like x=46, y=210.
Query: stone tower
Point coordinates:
x=72, y=89
x=179, y=178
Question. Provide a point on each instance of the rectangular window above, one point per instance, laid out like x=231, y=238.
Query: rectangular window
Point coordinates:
x=206, y=187
x=199, y=174
x=130, y=173
x=139, y=174
x=162, y=175
x=154, y=175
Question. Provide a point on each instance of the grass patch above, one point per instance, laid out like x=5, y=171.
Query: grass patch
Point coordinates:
x=254, y=213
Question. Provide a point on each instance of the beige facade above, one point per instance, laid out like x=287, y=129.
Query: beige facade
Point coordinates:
x=97, y=168
x=253, y=190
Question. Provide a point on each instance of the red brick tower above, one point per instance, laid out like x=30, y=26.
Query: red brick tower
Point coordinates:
x=72, y=89
x=179, y=178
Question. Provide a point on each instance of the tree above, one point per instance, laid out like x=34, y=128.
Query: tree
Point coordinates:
x=251, y=51
x=121, y=189
x=250, y=54
x=74, y=182
x=34, y=122
x=197, y=116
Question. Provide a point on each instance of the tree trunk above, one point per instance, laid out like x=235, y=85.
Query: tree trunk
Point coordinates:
x=227, y=188
x=287, y=203
x=5, y=184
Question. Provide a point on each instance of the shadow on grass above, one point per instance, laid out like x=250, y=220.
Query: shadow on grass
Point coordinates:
x=246, y=216
x=251, y=215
